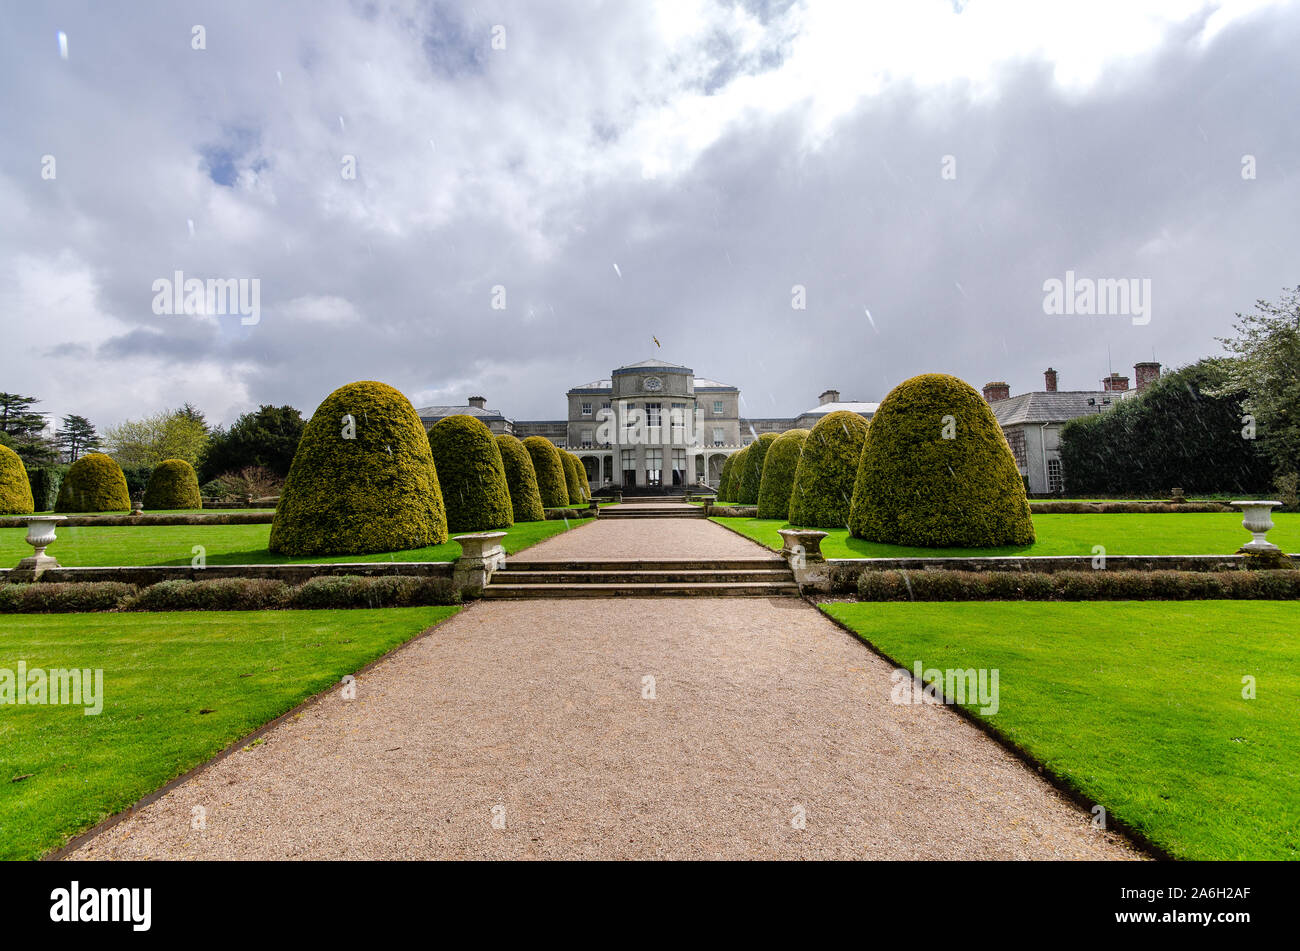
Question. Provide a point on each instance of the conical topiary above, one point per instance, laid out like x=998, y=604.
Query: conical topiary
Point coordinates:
x=472, y=475
x=362, y=479
x=94, y=483
x=15, y=489
x=828, y=466
x=572, y=479
x=551, y=480
x=752, y=475
x=778, y=474
x=521, y=477
x=173, y=484
x=737, y=461
x=937, y=471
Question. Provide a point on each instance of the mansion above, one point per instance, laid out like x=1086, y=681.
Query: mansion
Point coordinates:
x=650, y=424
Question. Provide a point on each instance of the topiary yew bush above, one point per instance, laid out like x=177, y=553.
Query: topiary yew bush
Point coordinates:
x=362, y=479
x=724, y=479
x=521, y=478
x=173, y=484
x=15, y=489
x=752, y=475
x=471, y=473
x=778, y=474
x=574, y=477
x=828, y=464
x=916, y=487
x=737, y=462
x=552, y=483
x=94, y=483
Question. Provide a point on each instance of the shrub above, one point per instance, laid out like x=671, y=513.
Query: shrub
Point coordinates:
x=916, y=487
x=217, y=594
x=778, y=474
x=584, y=484
x=94, y=483
x=552, y=483
x=137, y=480
x=173, y=485
x=45, y=482
x=375, y=491
x=752, y=475
x=354, y=591
x=64, y=596
x=471, y=473
x=521, y=478
x=252, y=482
x=724, y=479
x=828, y=464
x=572, y=480
x=737, y=462
x=15, y=489
x=942, y=584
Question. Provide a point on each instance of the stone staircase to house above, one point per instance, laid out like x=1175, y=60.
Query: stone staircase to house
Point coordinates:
x=652, y=508
x=734, y=578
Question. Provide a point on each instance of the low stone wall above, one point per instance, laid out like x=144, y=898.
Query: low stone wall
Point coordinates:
x=731, y=511
x=290, y=574
x=113, y=521
x=1048, y=507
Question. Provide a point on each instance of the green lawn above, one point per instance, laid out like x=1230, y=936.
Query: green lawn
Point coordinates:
x=177, y=689
x=92, y=546
x=1208, y=533
x=1137, y=705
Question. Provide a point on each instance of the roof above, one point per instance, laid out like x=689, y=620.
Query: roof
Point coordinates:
x=848, y=406
x=595, y=386
x=655, y=365
x=703, y=383
x=439, y=412
x=1044, y=407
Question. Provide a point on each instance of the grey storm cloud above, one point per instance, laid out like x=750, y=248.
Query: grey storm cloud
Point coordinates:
x=528, y=168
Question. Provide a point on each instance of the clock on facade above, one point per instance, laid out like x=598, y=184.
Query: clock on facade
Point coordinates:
x=653, y=384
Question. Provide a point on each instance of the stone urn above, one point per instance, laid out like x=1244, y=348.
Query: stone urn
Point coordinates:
x=40, y=535
x=1257, y=518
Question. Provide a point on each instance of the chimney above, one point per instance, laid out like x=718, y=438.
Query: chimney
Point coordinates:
x=1115, y=383
x=1145, y=374
x=830, y=396
x=1049, y=376
x=996, y=391
x=480, y=402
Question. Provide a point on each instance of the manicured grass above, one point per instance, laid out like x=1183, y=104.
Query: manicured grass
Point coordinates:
x=1206, y=533
x=90, y=546
x=177, y=689
x=1137, y=705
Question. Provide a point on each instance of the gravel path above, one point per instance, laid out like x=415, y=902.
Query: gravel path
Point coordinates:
x=646, y=538
x=763, y=711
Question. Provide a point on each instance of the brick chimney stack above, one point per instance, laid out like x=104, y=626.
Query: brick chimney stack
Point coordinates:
x=830, y=396
x=996, y=391
x=478, y=401
x=1145, y=374
x=1049, y=376
x=1115, y=383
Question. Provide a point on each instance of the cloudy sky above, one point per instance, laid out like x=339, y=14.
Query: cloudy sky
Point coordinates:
x=629, y=170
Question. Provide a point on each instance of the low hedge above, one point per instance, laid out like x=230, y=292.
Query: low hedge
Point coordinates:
x=354, y=591
x=218, y=594
x=1147, y=508
x=942, y=584
x=64, y=597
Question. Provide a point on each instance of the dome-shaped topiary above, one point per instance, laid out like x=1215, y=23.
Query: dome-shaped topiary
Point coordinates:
x=778, y=474
x=828, y=466
x=574, y=477
x=583, y=482
x=752, y=475
x=94, y=483
x=521, y=477
x=472, y=475
x=737, y=460
x=362, y=479
x=551, y=480
x=173, y=484
x=724, y=477
x=937, y=471
x=15, y=489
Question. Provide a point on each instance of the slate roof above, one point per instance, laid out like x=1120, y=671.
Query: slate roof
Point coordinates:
x=703, y=383
x=848, y=406
x=1039, y=408
x=439, y=412
x=654, y=365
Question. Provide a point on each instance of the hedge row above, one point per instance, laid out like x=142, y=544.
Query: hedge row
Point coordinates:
x=227, y=594
x=953, y=585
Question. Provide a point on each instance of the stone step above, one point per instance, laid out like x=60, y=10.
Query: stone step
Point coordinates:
x=511, y=576
x=629, y=564
x=756, y=589
x=690, y=511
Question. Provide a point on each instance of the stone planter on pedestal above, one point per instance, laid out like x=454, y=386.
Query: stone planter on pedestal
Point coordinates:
x=802, y=548
x=480, y=554
x=1257, y=519
x=40, y=535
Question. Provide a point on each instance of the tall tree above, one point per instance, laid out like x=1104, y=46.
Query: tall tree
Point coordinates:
x=25, y=427
x=75, y=436
x=1267, y=368
x=268, y=437
x=144, y=443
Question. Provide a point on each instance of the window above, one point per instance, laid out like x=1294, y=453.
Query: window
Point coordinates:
x=605, y=404
x=1016, y=440
x=586, y=409
x=629, y=416
x=1055, y=481
x=717, y=407
x=586, y=439
x=652, y=415
x=717, y=437
x=677, y=418
x=654, y=465
x=629, y=466
x=679, y=466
